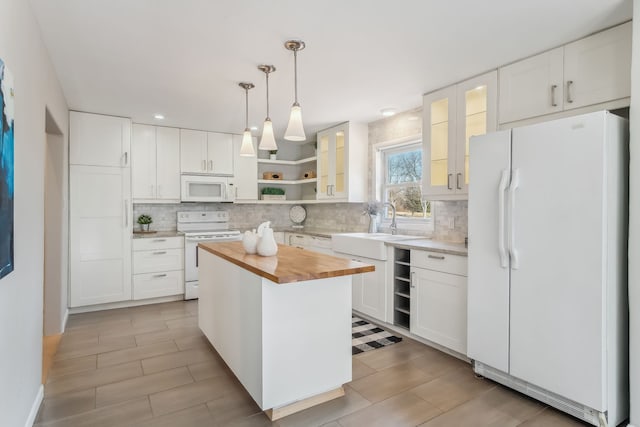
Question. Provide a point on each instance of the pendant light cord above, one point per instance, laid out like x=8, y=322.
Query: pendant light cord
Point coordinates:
x=295, y=74
x=267, y=74
x=246, y=108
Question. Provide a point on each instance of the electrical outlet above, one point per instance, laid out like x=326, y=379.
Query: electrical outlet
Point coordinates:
x=452, y=223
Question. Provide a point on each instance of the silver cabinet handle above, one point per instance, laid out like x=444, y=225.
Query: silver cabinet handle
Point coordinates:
x=328, y=193
x=449, y=181
x=411, y=282
x=569, y=99
x=553, y=95
x=435, y=256
x=204, y=165
x=126, y=158
x=458, y=176
x=160, y=253
x=126, y=213
x=159, y=240
x=210, y=165
x=159, y=275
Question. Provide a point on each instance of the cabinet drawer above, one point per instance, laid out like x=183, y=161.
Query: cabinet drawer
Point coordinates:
x=158, y=261
x=436, y=261
x=297, y=240
x=153, y=285
x=152, y=243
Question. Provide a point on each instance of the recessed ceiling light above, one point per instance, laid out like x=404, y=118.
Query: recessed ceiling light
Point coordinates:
x=388, y=112
x=254, y=128
x=158, y=116
x=479, y=87
x=412, y=118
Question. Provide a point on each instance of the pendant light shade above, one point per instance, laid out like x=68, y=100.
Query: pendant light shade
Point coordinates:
x=267, y=141
x=295, y=129
x=246, y=149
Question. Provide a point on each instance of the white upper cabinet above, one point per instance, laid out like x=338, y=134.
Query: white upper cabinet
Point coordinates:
x=590, y=71
x=193, y=151
x=206, y=152
x=245, y=178
x=342, y=163
x=598, y=68
x=220, y=153
x=99, y=140
x=167, y=164
x=532, y=87
x=155, y=164
x=450, y=117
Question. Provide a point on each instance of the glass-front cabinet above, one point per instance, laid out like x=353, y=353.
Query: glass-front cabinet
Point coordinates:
x=451, y=117
x=342, y=162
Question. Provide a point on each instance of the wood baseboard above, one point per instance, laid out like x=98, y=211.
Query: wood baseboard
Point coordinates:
x=300, y=405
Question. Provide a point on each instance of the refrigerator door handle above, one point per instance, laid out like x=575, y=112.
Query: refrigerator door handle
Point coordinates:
x=502, y=188
x=515, y=182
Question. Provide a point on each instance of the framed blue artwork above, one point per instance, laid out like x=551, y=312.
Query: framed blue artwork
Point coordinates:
x=6, y=171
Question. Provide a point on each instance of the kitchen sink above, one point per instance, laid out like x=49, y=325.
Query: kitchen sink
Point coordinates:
x=369, y=245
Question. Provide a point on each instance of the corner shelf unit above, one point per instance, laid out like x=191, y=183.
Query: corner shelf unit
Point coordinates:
x=300, y=162
x=402, y=288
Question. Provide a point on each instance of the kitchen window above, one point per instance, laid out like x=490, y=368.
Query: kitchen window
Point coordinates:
x=400, y=179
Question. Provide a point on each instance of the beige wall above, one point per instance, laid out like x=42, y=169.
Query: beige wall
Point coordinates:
x=21, y=292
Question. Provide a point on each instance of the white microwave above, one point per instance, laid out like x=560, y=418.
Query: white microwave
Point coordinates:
x=203, y=188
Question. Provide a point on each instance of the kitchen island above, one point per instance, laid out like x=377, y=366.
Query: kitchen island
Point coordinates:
x=282, y=324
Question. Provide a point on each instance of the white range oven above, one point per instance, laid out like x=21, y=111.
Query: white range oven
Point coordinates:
x=200, y=227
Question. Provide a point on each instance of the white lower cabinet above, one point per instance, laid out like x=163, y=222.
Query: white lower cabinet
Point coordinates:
x=439, y=299
x=369, y=290
x=158, y=267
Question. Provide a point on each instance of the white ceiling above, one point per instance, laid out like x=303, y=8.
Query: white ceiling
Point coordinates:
x=184, y=58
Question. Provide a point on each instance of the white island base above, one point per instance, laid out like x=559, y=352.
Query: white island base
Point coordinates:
x=288, y=344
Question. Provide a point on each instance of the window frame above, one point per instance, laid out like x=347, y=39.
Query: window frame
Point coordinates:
x=381, y=151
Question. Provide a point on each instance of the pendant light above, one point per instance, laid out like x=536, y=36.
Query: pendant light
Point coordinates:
x=295, y=129
x=246, y=149
x=267, y=142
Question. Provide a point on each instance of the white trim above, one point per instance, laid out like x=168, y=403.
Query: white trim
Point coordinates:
x=35, y=407
x=65, y=318
x=123, y=304
x=405, y=140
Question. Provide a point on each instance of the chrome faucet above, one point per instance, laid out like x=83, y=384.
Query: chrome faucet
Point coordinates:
x=394, y=226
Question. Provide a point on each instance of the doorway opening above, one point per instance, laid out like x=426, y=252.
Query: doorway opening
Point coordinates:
x=55, y=309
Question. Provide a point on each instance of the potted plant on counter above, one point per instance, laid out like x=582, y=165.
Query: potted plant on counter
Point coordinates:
x=144, y=221
x=272, y=154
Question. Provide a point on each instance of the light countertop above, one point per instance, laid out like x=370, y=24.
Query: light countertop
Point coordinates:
x=289, y=265
x=432, y=245
x=158, y=234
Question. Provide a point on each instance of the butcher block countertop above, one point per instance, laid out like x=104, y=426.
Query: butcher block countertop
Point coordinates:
x=291, y=264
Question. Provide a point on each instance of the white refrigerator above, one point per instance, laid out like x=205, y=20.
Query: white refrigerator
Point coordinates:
x=547, y=298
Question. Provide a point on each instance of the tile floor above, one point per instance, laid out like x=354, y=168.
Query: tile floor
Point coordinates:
x=151, y=366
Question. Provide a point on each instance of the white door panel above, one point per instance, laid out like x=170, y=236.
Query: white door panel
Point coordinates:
x=98, y=140
x=439, y=308
x=99, y=235
x=220, y=153
x=488, y=268
x=559, y=240
x=531, y=87
x=143, y=162
x=246, y=171
x=168, y=164
x=193, y=151
x=598, y=67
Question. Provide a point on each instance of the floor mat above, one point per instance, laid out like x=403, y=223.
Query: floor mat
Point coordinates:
x=366, y=336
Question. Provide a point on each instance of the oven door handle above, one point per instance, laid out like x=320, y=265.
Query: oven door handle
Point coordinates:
x=197, y=256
